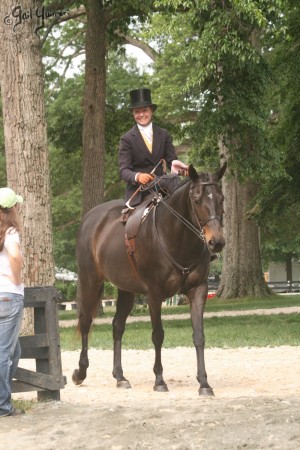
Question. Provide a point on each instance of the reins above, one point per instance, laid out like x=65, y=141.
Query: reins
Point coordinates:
x=197, y=231
x=184, y=270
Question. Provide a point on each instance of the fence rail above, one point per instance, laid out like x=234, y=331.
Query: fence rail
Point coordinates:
x=284, y=286
x=276, y=286
x=43, y=346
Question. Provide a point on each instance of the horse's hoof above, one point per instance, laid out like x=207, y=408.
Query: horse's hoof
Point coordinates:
x=161, y=388
x=76, y=380
x=206, y=392
x=123, y=384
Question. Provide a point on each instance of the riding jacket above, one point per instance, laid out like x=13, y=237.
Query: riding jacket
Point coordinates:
x=134, y=157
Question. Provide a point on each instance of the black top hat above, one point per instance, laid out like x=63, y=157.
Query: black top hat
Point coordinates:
x=140, y=98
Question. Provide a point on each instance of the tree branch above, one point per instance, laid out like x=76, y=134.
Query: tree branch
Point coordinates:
x=59, y=5
x=73, y=14
x=147, y=49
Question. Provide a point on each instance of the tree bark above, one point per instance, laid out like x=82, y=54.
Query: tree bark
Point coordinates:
x=26, y=149
x=242, y=270
x=94, y=106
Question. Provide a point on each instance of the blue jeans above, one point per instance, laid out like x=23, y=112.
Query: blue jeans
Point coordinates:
x=11, y=311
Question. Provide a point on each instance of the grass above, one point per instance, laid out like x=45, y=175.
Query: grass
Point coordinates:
x=212, y=305
x=221, y=332
x=23, y=404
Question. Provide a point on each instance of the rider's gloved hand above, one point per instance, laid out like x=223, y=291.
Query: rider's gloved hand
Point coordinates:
x=179, y=168
x=144, y=178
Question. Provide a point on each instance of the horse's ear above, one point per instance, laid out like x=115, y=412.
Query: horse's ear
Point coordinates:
x=193, y=173
x=219, y=174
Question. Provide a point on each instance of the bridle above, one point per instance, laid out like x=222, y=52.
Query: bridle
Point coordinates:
x=198, y=231
x=202, y=223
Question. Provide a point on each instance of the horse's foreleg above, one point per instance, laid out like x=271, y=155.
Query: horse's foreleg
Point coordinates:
x=197, y=303
x=80, y=374
x=157, y=339
x=125, y=303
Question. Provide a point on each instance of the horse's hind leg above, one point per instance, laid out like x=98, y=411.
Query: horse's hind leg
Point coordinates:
x=125, y=303
x=87, y=310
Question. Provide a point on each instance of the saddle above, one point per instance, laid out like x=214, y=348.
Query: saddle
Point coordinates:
x=133, y=218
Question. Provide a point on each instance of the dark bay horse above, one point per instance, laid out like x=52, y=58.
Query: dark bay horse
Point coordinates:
x=172, y=255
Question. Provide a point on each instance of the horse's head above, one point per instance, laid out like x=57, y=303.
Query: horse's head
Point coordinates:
x=207, y=203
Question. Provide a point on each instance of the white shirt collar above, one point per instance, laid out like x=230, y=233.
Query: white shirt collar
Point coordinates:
x=146, y=130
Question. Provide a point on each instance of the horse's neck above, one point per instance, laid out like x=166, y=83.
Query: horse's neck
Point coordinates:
x=179, y=201
x=172, y=223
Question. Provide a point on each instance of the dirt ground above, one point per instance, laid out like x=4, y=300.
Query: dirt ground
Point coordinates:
x=256, y=404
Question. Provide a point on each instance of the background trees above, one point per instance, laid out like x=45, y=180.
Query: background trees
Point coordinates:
x=25, y=136
x=224, y=75
x=25, y=132
x=215, y=51
x=278, y=205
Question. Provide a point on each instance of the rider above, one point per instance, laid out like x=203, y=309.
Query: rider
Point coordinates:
x=142, y=147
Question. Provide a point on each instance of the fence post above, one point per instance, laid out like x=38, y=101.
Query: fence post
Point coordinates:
x=44, y=347
x=48, y=320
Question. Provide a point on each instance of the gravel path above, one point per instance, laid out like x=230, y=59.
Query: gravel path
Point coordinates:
x=256, y=404
x=131, y=319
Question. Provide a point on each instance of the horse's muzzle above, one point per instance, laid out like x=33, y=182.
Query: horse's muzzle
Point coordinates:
x=216, y=245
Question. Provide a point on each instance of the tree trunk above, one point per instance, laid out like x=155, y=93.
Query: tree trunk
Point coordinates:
x=94, y=106
x=242, y=270
x=25, y=133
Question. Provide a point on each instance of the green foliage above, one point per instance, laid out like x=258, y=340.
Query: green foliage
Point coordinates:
x=67, y=289
x=110, y=291
x=65, y=120
x=65, y=169
x=215, y=49
x=278, y=203
x=231, y=64
x=65, y=114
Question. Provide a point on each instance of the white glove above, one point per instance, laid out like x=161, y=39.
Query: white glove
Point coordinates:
x=178, y=166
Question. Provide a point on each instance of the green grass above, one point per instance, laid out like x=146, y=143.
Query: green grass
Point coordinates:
x=221, y=332
x=24, y=404
x=212, y=305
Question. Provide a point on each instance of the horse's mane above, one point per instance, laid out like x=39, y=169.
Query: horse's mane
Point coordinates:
x=176, y=188
x=202, y=175
x=171, y=183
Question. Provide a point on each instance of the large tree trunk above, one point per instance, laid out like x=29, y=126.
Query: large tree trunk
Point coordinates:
x=242, y=270
x=94, y=106
x=25, y=133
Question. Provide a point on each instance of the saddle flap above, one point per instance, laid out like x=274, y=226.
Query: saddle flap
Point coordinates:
x=136, y=218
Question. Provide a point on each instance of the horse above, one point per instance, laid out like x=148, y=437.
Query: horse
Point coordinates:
x=172, y=254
